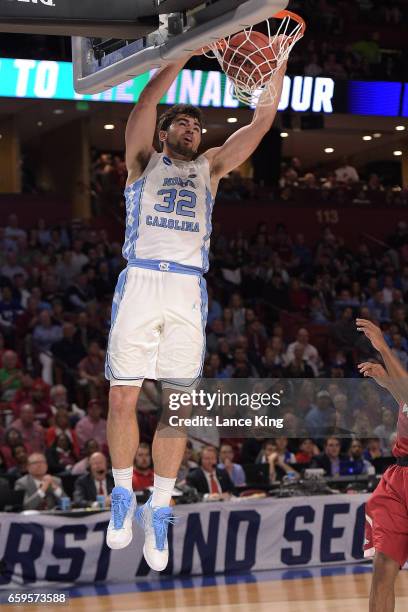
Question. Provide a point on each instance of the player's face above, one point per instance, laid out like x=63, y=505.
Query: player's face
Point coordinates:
x=184, y=136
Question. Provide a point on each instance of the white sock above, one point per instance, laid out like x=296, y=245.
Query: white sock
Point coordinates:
x=123, y=478
x=163, y=488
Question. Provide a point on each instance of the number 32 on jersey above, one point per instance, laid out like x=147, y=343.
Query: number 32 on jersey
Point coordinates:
x=184, y=206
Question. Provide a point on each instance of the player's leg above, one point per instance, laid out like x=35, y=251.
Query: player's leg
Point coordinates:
x=122, y=427
x=382, y=595
x=386, y=537
x=123, y=441
x=179, y=363
x=133, y=344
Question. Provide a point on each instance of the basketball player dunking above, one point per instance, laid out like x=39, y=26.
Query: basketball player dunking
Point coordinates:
x=386, y=536
x=160, y=304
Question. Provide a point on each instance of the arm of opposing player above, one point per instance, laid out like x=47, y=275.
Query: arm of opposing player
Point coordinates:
x=141, y=124
x=240, y=146
x=397, y=383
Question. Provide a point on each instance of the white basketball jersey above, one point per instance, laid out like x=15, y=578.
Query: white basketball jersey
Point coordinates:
x=168, y=212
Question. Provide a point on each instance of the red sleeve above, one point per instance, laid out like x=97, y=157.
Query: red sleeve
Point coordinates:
x=49, y=436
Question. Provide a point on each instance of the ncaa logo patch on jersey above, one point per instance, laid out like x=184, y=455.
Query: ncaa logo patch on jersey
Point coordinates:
x=167, y=161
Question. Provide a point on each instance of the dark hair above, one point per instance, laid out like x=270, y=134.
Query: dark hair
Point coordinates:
x=14, y=449
x=62, y=435
x=169, y=116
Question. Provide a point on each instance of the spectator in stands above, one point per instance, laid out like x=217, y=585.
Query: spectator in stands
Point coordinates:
x=82, y=466
x=297, y=365
x=307, y=450
x=87, y=332
x=343, y=414
x=215, y=334
x=273, y=359
x=40, y=401
x=379, y=310
x=344, y=331
x=310, y=353
x=67, y=353
x=92, y=425
x=242, y=367
x=398, y=346
x=24, y=394
x=11, y=267
x=92, y=370
x=374, y=183
x=320, y=416
x=208, y=478
x=10, y=376
x=142, y=468
x=79, y=294
x=62, y=426
x=356, y=456
x=399, y=319
x=214, y=308
x=3, y=464
x=12, y=230
x=238, y=313
x=275, y=292
x=234, y=470
x=386, y=428
x=373, y=450
x=330, y=459
x=388, y=290
x=214, y=362
x=20, y=457
x=45, y=334
x=32, y=433
x=65, y=270
x=284, y=454
x=277, y=466
x=369, y=49
x=10, y=308
x=60, y=455
x=98, y=481
x=41, y=490
x=346, y=173
x=187, y=463
x=59, y=399
x=12, y=438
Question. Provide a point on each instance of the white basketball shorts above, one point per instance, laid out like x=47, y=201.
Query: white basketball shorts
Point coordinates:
x=157, y=327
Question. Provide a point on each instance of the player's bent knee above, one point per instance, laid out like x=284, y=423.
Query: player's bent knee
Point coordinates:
x=385, y=568
x=122, y=399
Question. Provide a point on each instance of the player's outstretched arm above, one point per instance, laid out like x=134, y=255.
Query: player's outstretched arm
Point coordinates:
x=397, y=382
x=375, y=371
x=240, y=146
x=141, y=124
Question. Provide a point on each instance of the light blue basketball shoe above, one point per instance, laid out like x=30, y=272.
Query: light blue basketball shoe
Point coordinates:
x=155, y=522
x=119, y=534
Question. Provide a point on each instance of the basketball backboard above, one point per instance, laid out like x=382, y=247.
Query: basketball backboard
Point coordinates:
x=100, y=64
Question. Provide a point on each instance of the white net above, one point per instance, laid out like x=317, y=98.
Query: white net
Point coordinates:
x=251, y=59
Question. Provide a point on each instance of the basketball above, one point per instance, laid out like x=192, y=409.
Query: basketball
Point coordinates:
x=249, y=57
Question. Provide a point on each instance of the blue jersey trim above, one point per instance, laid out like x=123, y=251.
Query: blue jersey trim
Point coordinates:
x=204, y=312
x=134, y=194
x=117, y=300
x=209, y=205
x=164, y=266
